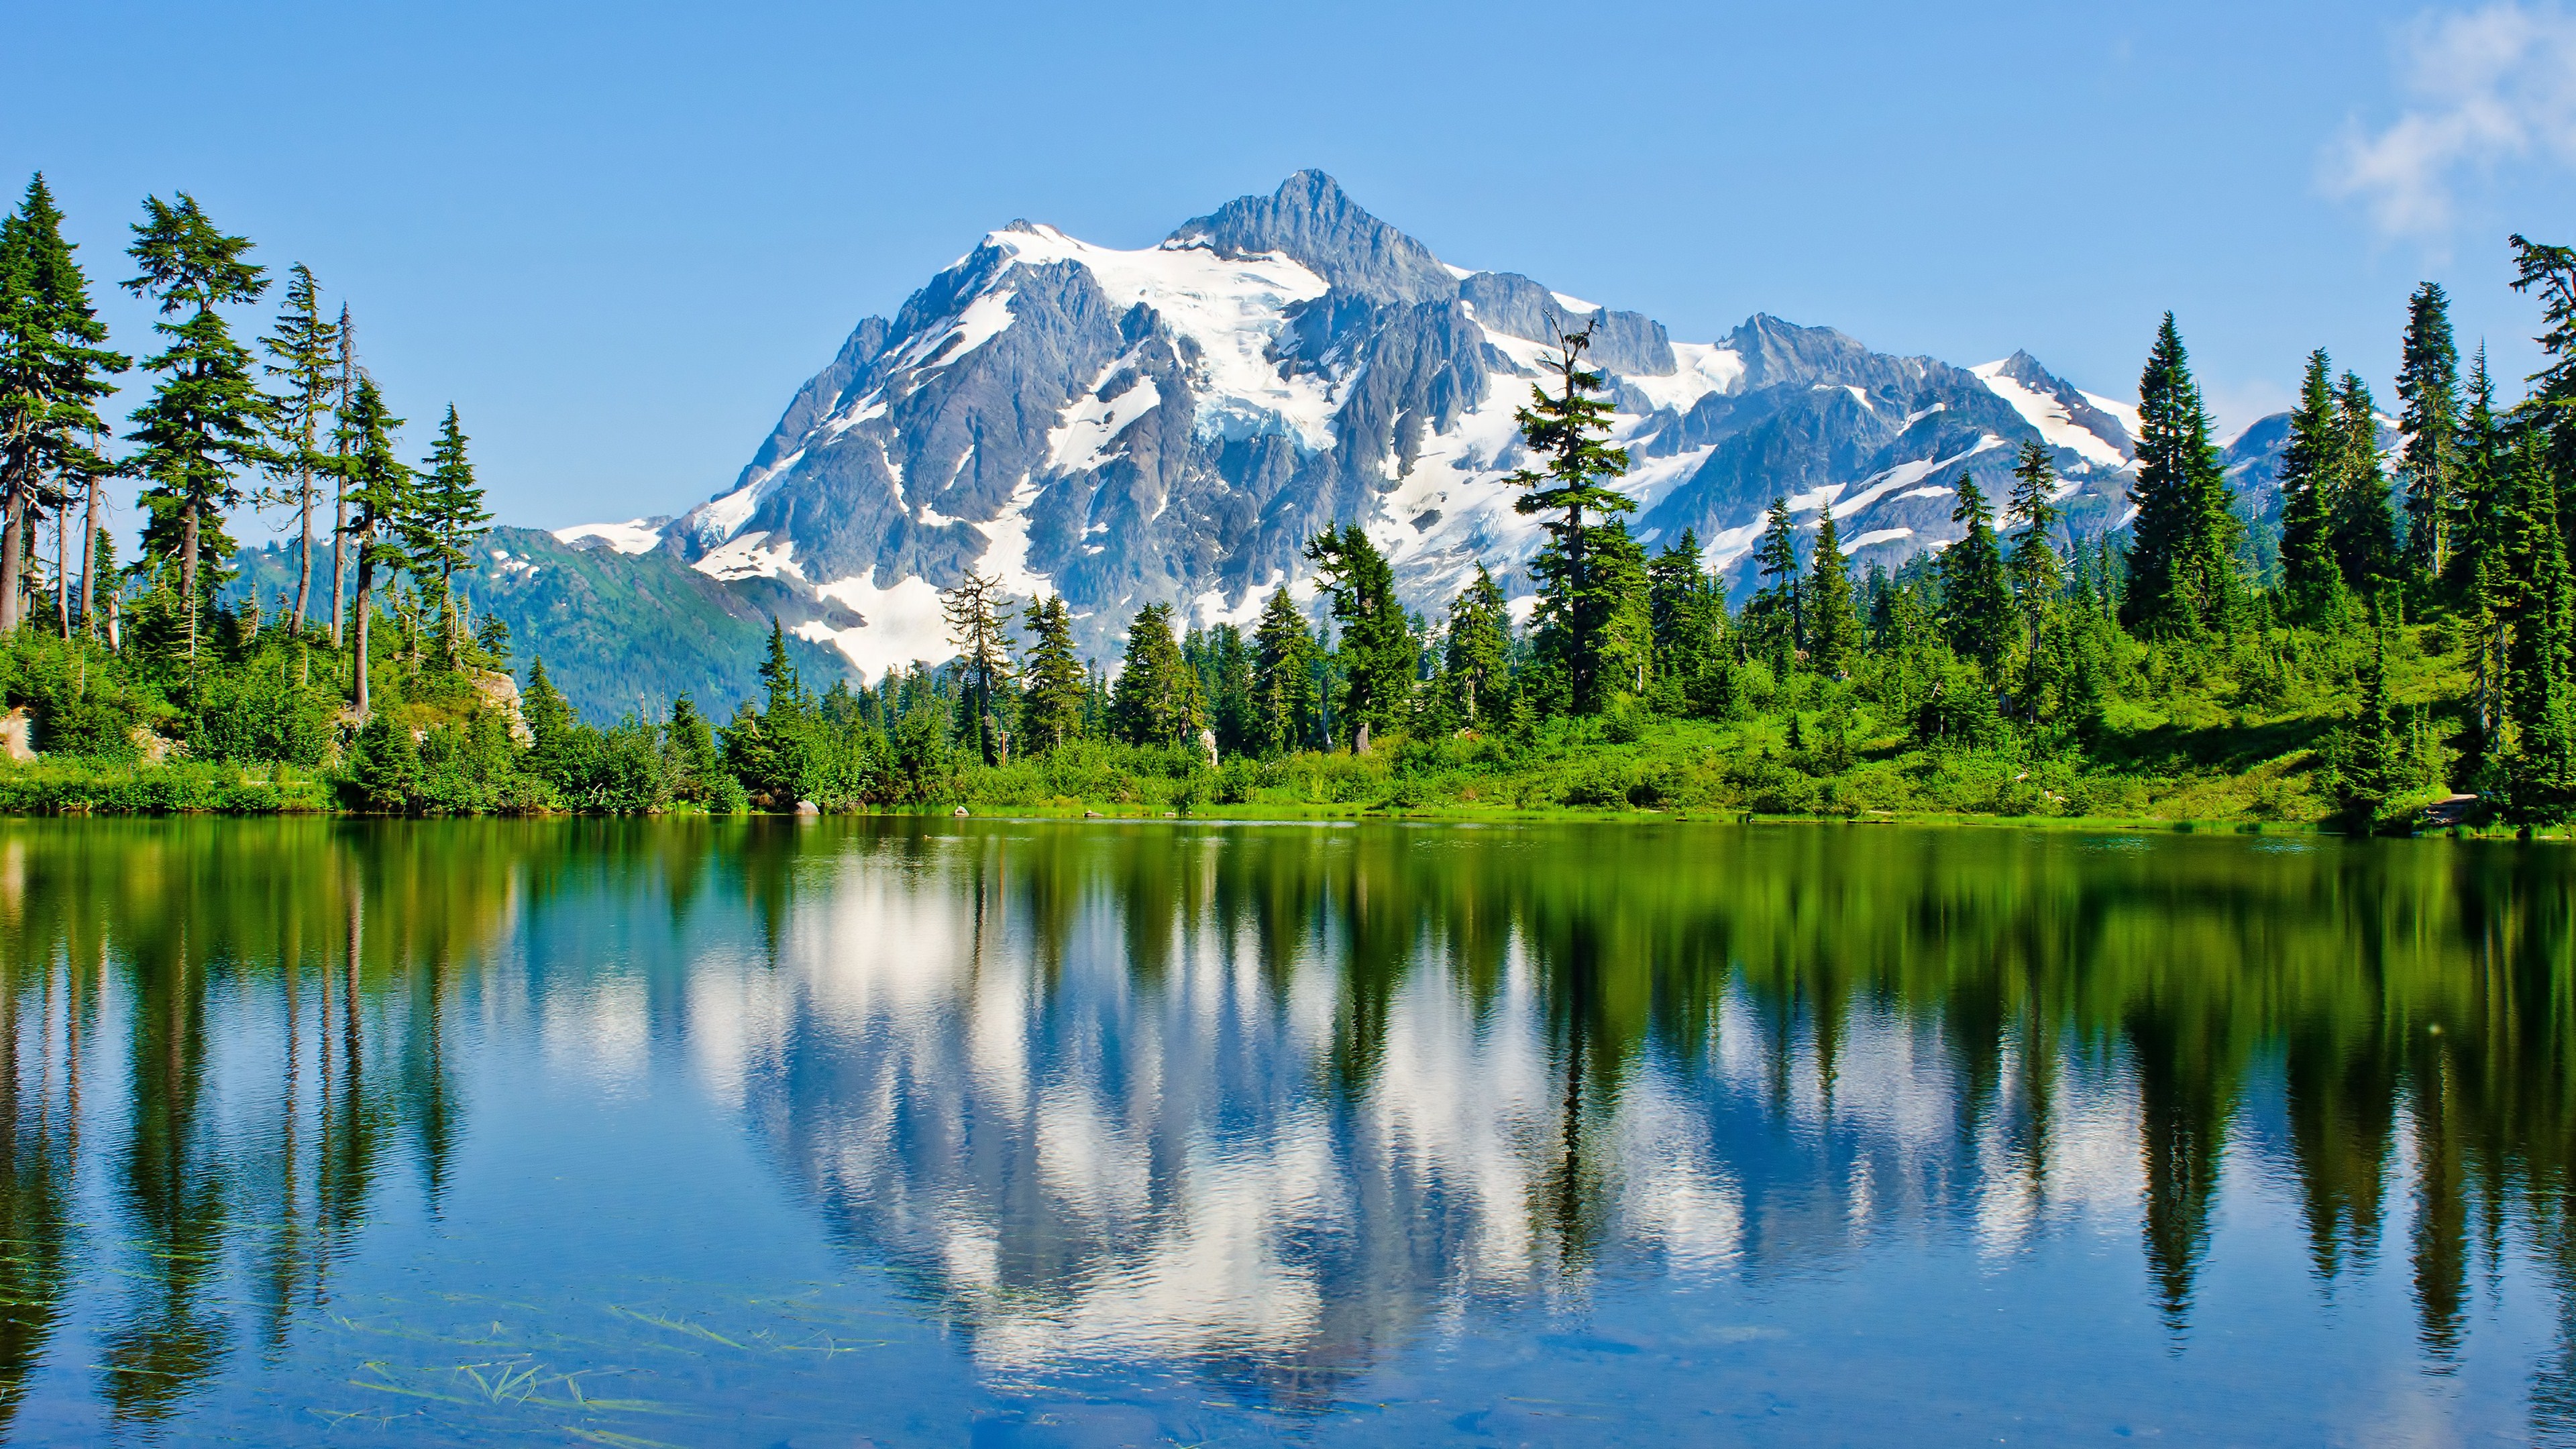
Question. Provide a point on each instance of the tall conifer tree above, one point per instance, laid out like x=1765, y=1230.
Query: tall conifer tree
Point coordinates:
x=1833, y=624
x=1051, y=706
x=1285, y=705
x=2428, y=392
x=2311, y=477
x=447, y=519
x=975, y=627
x=206, y=422
x=304, y=357
x=53, y=372
x=1976, y=598
x=1156, y=701
x=1379, y=653
x=1570, y=430
x=2182, y=552
x=2365, y=528
x=1478, y=662
x=378, y=489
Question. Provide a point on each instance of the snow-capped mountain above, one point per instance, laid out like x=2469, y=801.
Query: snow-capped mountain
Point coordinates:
x=1172, y=423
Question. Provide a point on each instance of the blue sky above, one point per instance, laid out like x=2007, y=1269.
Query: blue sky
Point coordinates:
x=617, y=237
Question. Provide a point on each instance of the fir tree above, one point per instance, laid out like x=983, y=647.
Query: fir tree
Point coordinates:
x=378, y=488
x=1675, y=582
x=206, y=421
x=2365, y=529
x=1157, y=700
x=1775, y=607
x=52, y=375
x=304, y=353
x=447, y=518
x=1051, y=708
x=1284, y=702
x=1624, y=653
x=1224, y=669
x=1379, y=653
x=1477, y=666
x=2550, y=272
x=2311, y=479
x=2182, y=554
x=1833, y=624
x=2038, y=577
x=975, y=627
x=1571, y=430
x=340, y=474
x=2428, y=393
x=549, y=717
x=2541, y=769
x=1976, y=598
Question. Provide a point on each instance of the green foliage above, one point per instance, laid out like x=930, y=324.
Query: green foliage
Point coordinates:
x=1157, y=701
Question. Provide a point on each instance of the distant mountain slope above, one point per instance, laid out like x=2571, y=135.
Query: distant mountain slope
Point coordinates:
x=618, y=632
x=1173, y=423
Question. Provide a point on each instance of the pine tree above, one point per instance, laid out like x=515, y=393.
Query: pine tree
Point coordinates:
x=1833, y=624
x=2428, y=392
x=2550, y=271
x=1775, y=611
x=206, y=421
x=1156, y=701
x=1571, y=430
x=52, y=374
x=2311, y=479
x=1976, y=598
x=2182, y=553
x=1051, y=709
x=1624, y=656
x=1224, y=669
x=2365, y=528
x=2038, y=577
x=1477, y=665
x=975, y=627
x=549, y=717
x=447, y=518
x=305, y=352
x=2479, y=575
x=2541, y=769
x=1284, y=702
x=1379, y=653
x=378, y=488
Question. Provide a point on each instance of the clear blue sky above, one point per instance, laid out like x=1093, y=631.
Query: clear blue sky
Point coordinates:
x=617, y=237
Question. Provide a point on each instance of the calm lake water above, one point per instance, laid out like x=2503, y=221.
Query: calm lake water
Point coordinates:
x=840, y=1132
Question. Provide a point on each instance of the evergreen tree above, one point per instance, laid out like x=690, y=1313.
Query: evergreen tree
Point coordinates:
x=1477, y=666
x=340, y=474
x=378, y=488
x=1051, y=709
x=1570, y=430
x=1624, y=656
x=2311, y=482
x=1775, y=609
x=447, y=518
x=2550, y=271
x=549, y=717
x=304, y=353
x=1224, y=669
x=1976, y=598
x=2038, y=578
x=2541, y=769
x=2182, y=553
x=1833, y=624
x=1676, y=581
x=2480, y=575
x=52, y=374
x=1156, y=701
x=2428, y=392
x=1379, y=653
x=1285, y=707
x=975, y=627
x=2365, y=528
x=206, y=421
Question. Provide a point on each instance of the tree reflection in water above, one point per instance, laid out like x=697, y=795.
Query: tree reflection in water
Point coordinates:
x=1273, y=1103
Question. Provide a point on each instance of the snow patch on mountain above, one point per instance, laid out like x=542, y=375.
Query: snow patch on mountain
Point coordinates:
x=2055, y=424
x=634, y=536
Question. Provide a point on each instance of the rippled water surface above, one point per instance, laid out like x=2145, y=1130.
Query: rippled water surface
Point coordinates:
x=830, y=1133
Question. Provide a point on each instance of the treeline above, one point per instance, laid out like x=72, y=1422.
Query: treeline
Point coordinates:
x=118, y=661
x=2405, y=629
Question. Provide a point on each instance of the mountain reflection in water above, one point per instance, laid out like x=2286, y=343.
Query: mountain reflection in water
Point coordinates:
x=1276, y=1110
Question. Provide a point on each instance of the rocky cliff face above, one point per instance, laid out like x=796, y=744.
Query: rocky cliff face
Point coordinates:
x=1172, y=423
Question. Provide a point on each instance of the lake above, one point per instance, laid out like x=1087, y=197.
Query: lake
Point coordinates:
x=883, y=1131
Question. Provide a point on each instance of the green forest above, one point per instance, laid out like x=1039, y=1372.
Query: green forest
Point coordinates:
x=2395, y=649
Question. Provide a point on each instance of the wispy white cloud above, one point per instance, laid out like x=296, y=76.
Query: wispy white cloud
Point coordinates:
x=2486, y=87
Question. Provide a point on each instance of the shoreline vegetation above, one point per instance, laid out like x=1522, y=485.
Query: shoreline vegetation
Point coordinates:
x=2393, y=649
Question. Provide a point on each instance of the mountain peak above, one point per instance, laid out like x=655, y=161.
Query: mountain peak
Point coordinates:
x=1311, y=220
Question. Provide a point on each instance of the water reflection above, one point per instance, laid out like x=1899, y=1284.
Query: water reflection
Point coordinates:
x=1276, y=1105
